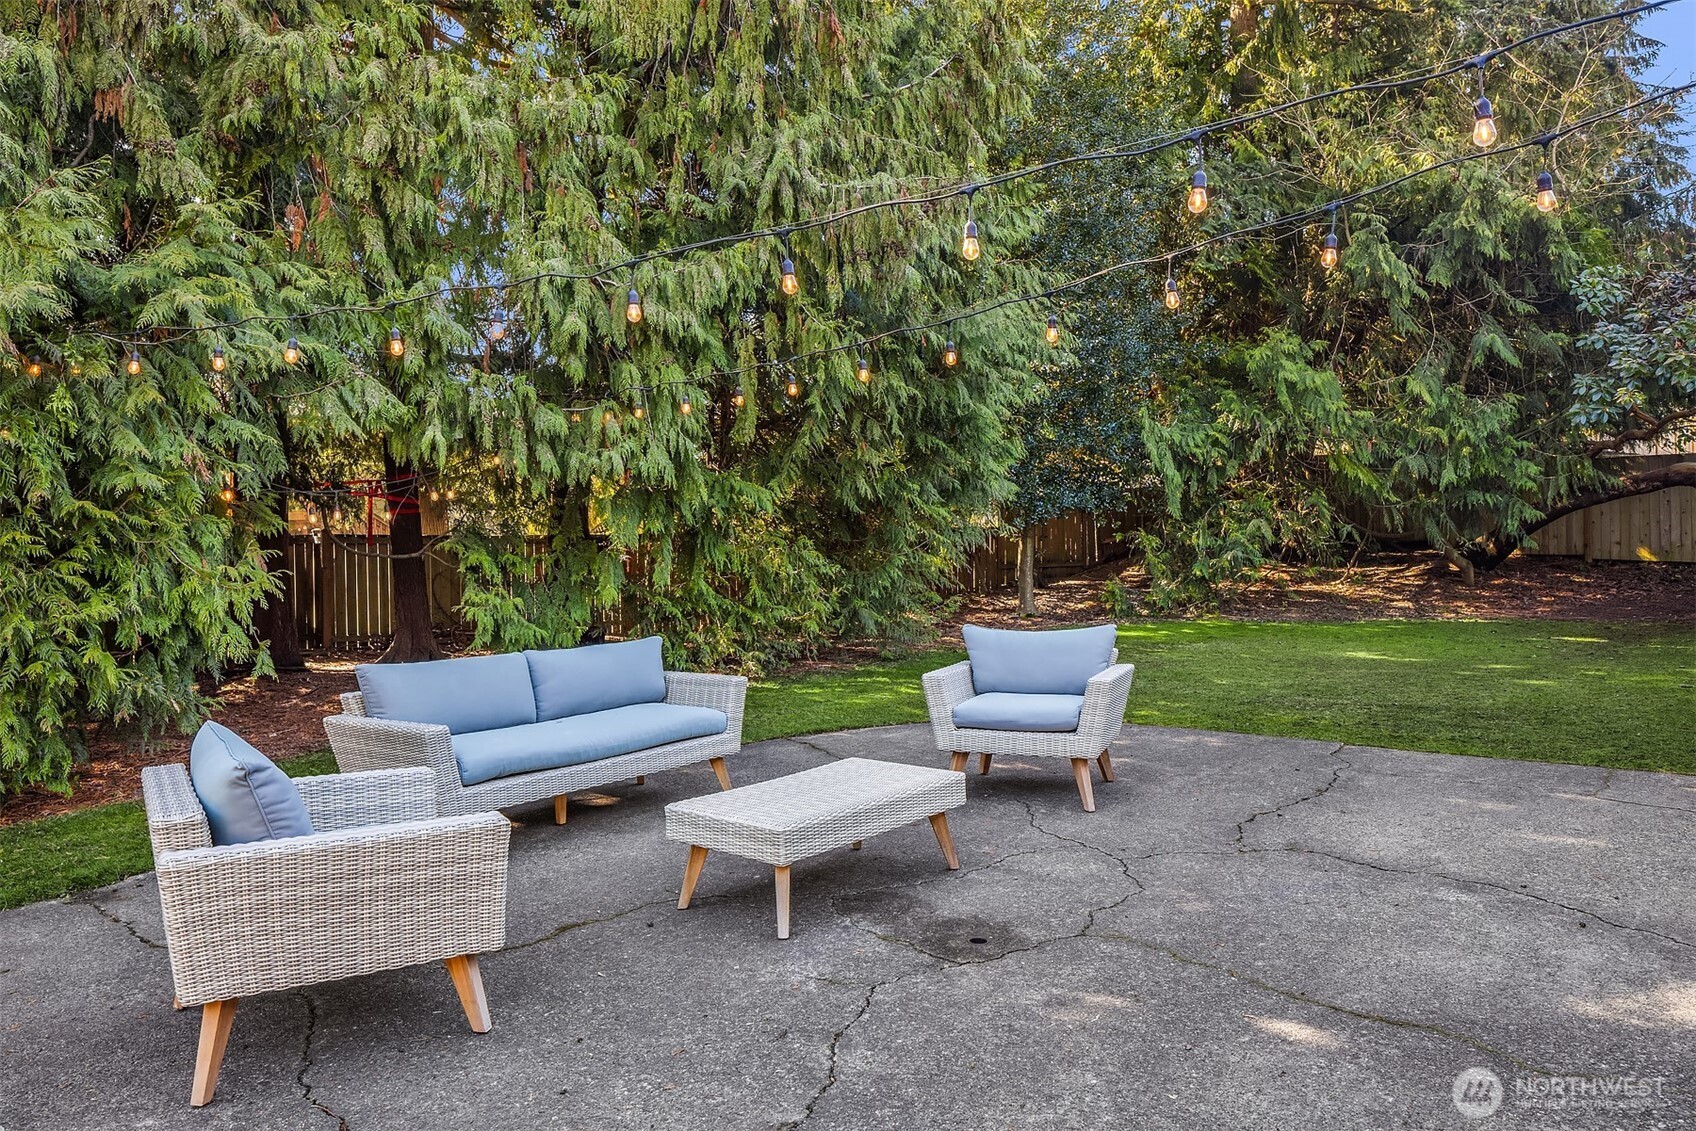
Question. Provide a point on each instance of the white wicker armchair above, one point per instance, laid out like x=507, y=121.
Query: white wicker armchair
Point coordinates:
x=1100, y=722
x=364, y=743
x=381, y=883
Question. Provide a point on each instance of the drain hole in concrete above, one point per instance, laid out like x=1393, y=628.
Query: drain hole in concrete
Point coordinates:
x=980, y=942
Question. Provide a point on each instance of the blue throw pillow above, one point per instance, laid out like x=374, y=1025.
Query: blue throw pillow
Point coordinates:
x=470, y=694
x=245, y=796
x=597, y=677
x=1058, y=662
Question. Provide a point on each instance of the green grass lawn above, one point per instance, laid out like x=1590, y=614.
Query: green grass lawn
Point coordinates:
x=1597, y=694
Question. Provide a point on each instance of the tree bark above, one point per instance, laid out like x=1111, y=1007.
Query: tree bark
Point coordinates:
x=1027, y=570
x=1488, y=553
x=414, y=637
x=275, y=619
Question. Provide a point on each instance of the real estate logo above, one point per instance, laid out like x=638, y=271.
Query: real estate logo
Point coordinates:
x=1477, y=1092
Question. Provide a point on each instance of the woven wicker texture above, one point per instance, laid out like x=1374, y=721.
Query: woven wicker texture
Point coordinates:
x=1102, y=719
x=362, y=743
x=790, y=818
x=374, y=889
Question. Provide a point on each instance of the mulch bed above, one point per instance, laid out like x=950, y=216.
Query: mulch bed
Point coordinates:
x=283, y=717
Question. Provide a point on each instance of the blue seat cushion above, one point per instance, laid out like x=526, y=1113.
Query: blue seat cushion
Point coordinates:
x=1058, y=662
x=580, y=738
x=472, y=694
x=1004, y=710
x=245, y=796
x=596, y=677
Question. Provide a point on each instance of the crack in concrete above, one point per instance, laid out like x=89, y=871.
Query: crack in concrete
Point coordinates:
x=1336, y=776
x=1643, y=804
x=802, y=740
x=307, y=1063
x=833, y=1051
x=1492, y=885
x=567, y=928
x=120, y=921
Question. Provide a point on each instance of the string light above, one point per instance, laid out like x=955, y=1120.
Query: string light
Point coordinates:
x=1197, y=202
x=576, y=417
x=793, y=388
x=950, y=355
x=639, y=410
x=606, y=418
x=786, y=269
x=970, y=249
x=228, y=494
x=497, y=328
x=864, y=372
x=685, y=406
x=1547, y=201
x=1053, y=331
x=291, y=352
x=450, y=494
x=1328, y=250
x=1171, y=298
x=397, y=344
x=218, y=362
x=737, y=398
x=34, y=369
x=633, y=301
x=1484, y=131
x=134, y=363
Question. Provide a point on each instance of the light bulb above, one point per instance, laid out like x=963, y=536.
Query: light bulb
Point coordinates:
x=435, y=495
x=793, y=388
x=218, y=362
x=864, y=372
x=76, y=370
x=606, y=417
x=134, y=364
x=950, y=355
x=684, y=406
x=1547, y=201
x=397, y=344
x=450, y=494
x=1172, y=300
x=633, y=307
x=497, y=330
x=737, y=398
x=35, y=368
x=1328, y=252
x=789, y=283
x=1484, y=125
x=1198, y=193
x=336, y=515
x=291, y=352
x=640, y=410
x=970, y=249
x=576, y=417
x=1053, y=331
x=228, y=494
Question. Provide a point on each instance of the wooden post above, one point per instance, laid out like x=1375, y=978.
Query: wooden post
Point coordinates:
x=324, y=589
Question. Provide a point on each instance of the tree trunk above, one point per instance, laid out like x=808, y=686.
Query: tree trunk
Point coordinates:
x=1027, y=570
x=1488, y=553
x=275, y=619
x=414, y=638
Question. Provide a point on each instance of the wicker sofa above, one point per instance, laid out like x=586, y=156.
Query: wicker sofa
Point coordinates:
x=497, y=731
x=380, y=883
x=1054, y=694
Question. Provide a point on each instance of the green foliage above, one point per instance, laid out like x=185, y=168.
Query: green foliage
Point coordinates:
x=1642, y=339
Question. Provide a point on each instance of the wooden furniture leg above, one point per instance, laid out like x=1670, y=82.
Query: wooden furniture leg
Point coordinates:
x=939, y=825
x=983, y=763
x=1106, y=761
x=781, y=875
x=691, y=874
x=641, y=779
x=177, y=1003
x=855, y=847
x=721, y=770
x=958, y=762
x=559, y=809
x=1080, y=771
x=215, y=1020
x=468, y=980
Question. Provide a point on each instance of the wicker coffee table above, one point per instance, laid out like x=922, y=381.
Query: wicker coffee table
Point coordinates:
x=791, y=818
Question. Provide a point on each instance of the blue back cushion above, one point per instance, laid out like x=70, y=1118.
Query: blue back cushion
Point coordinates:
x=476, y=693
x=1060, y=662
x=245, y=796
x=596, y=677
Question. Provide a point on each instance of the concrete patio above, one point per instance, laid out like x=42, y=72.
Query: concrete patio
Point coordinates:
x=1250, y=933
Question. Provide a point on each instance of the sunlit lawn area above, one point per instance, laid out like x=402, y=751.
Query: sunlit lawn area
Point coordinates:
x=1607, y=695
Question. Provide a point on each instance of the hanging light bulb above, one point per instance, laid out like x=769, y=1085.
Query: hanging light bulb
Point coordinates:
x=576, y=417
x=640, y=410
x=950, y=354
x=786, y=270
x=133, y=366
x=76, y=370
x=737, y=398
x=970, y=248
x=685, y=406
x=1197, y=202
x=497, y=328
x=1172, y=299
x=1328, y=252
x=397, y=344
x=633, y=307
x=291, y=352
x=336, y=515
x=228, y=494
x=435, y=495
x=606, y=417
x=864, y=372
x=1053, y=331
x=450, y=494
x=1484, y=120
x=34, y=369
x=1547, y=201
x=219, y=364
x=793, y=388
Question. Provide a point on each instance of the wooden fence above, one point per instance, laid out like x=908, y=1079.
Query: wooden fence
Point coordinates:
x=343, y=587
x=1657, y=527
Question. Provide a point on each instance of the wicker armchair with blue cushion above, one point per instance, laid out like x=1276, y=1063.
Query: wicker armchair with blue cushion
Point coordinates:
x=1054, y=694
x=268, y=883
x=504, y=730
